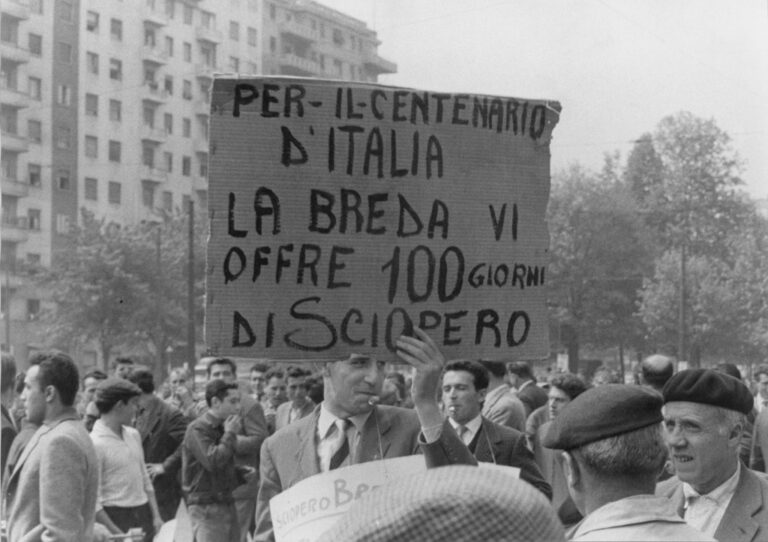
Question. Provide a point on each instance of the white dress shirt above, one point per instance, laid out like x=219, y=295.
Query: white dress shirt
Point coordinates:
x=704, y=512
x=471, y=428
x=329, y=441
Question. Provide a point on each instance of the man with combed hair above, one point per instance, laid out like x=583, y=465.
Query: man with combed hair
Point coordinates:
x=52, y=489
x=703, y=419
x=521, y=378
x=501, y=405
x=655, y=371
x=613, y=451
x=298, y=404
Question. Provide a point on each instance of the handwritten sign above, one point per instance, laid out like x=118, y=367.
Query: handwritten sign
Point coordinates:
x=305, y=511
x=344, y=214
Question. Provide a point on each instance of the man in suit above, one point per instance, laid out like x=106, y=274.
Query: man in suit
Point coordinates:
x=298, y=404
x=501, y=405
x=464, y=388
x=521, y=378
x=52, y=490
x=348, y=427
x=713, y=491
x=162, y=429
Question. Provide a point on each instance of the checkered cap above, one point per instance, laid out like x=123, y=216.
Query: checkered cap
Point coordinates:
x=447, y=504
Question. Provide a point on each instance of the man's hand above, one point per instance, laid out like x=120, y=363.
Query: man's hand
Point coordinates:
x=423, y=355
x=155, y=470
x=233, y=424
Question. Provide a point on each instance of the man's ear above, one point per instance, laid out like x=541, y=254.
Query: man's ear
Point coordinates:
x=51, y=393
x=571, y=470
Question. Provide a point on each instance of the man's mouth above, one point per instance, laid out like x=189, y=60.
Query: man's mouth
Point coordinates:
x=683, y=458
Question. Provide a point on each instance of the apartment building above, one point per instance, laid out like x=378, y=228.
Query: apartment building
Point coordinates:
x=104, y=106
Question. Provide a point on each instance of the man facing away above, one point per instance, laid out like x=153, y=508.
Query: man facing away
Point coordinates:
x=713, y=491
x=52, y=489
x=349, y=428
x=655, y=371
x=521, y=378
x=209, y=477
x=613, y=451
x=501, y=405
x=464, y=388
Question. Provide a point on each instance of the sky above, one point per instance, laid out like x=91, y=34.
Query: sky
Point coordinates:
x=616, y=66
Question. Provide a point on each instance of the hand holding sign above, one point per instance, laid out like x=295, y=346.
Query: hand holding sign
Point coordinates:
x=424, y=356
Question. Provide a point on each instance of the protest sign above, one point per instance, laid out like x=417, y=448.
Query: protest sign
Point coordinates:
x=305, y=511
x=342, y=214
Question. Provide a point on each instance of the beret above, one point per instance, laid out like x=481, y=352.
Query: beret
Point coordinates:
x=710, y=388
x=116, y=389
x=603, y=412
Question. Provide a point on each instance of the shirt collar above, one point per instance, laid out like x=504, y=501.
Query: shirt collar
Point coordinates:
x=524, y=384
x=327, y=419
x=100, y=429
x=721, y=494
x=473, y=425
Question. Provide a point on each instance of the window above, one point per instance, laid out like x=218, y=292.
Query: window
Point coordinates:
x=116, y=29
x=148, y=114
x=33, y=309
x=91, y=146
x=169, y=46
x=186, y=91
x=63, y=95
x=92, y=21
x=186, y=166
x=338, y=37
x=168, y=123
x=168, y=158
x=35, y=130
x=92, y=105
x=92, y=61
x=168, y=200
x=186, y=127
x=252, y=36
x=185, y=199
x=35, y=44
x=114, y=151
x=115, y=69
x=187, y=13
x=33, y=219
x=35, y=88
x=148, y=195
x=203, y=165
x=114, y=192
x=91, y=189
x=234, y=31
x=187, y=52
x=169, y=84
x=148, y=155
x=66, y=11
x=9, y=119
x=208, y=20
x=63, y=134
x=272, y=12
x=208, y=55
x=65, y=52
x=62, y=179
x=170, y=8
x=62, y=223
x=115, y=110
x=35, y=175
x=234, y=63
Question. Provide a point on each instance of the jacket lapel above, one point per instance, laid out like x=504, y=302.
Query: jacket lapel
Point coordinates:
x=31, y=445
x=306, y=453
x=487, y=443
x=375, y=431
x=737, y=523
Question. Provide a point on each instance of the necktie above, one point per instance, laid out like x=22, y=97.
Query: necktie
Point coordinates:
x=343, y=451
x=463, y=432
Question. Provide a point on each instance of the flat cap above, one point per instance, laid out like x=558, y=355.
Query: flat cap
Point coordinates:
x=447, y=504
x=116, y=389
x=710, y=388
x=603, y=412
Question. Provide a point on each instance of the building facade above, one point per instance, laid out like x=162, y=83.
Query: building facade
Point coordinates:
x=104, y=107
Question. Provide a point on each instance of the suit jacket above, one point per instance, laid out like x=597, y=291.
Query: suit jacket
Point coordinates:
x=7, y=434
x=532, y=397
x=507, y=446
x=745, y=519
x=162, y=429
x=503, y=407
x=53, y=487
x=290, y=455
x=284, y=413
x=759, y=446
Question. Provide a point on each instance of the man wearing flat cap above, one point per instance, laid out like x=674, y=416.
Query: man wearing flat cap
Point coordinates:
x=613, y=452
x=704, y=415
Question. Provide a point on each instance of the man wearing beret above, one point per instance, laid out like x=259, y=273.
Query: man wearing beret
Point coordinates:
x=613, y=451
x=704, y=415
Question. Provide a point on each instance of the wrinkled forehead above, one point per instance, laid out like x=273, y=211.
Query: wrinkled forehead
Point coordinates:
x=689, y=409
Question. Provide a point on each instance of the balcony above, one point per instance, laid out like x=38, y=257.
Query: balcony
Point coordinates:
x=153, y=93
x=202, y=108
x=16, y=9
x=208, y=34
x=12, y=187
x=12, y=96
x=297, y=31
x=295, y=65
x=204, y=71
x=14, y=143
x=153, y=174
x=154, y=55
x=15, y=229
x=14, y=53
x=153, y=135
x=200, y=183
x=377, y=65
x=153, y=17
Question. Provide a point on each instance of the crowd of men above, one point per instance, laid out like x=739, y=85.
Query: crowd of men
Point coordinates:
x=676, y=456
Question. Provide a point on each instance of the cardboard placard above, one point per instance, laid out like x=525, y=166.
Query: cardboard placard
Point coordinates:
x=343, y=213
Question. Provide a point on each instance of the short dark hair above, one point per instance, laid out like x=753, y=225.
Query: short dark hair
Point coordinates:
x=572, y=385
x=113, y=390
x=7, y=372
x=520, y=368
x=219, y=389
x=144, y=379
x=58, y=370
x=297, y=372
x=123, y=360
x=19, y=382
x=221, y=361
x=496, y=368
x=259, y=367
x=315, y=388
x=95, y=374
x=478, y=372
x=274, y=373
